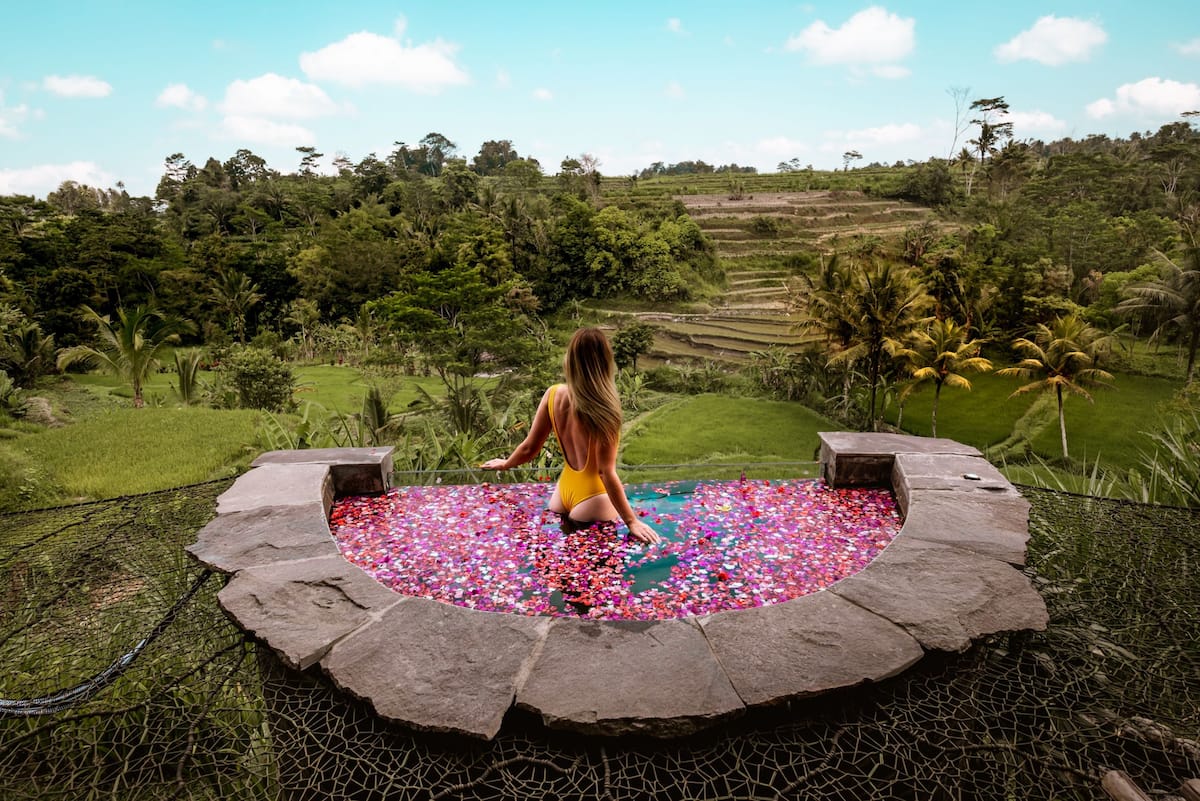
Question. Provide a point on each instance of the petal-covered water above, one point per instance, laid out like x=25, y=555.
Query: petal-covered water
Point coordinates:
x=727, y=545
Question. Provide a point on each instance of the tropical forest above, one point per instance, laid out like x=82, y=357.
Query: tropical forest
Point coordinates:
x=1037, y=300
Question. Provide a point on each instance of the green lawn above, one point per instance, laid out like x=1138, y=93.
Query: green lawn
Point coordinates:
x=703, y=429
x=342, y=388
x=129, y=451
x=1109, y=428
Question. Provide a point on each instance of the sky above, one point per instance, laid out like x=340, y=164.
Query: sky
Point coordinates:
x=103, y=91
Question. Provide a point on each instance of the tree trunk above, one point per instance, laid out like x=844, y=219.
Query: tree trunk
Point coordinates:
x=1062, y=421
x=138, y=402
x=937, y=392
x=1191, y=364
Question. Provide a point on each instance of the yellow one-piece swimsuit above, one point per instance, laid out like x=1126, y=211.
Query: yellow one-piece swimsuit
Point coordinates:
x=576, y=486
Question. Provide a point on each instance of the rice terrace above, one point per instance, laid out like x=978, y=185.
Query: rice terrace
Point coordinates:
x=761, y=418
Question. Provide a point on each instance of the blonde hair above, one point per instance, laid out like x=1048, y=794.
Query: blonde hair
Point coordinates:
x=589, y=369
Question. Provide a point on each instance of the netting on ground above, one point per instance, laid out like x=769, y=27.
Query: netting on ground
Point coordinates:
x=200, y=713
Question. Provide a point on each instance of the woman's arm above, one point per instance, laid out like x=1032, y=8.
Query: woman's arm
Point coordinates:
x=607, y=456
x=539, y=430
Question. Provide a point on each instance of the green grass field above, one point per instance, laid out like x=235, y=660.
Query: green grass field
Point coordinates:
x=129, y=451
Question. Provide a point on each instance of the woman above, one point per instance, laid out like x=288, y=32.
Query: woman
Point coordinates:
x=585, y=415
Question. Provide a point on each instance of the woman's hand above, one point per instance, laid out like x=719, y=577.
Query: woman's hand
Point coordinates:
x=643, y=533
x=494, y=464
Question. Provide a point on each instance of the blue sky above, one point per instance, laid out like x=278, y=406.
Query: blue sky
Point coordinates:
x=100, y=91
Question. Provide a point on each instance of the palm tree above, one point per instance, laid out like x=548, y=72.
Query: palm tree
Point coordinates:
x=1174, y=300
x=26, y=353
x=881, y=305
x=941, y=354
x=1060, y=357
x=129, y=348
x=235, y=294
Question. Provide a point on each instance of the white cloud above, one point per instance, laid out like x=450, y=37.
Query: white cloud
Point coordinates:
x=503, y=79
x=11, y=117
x=76, y=86
x=543, y=94
x=44, y=178
x=1054, y=41
x=179, y=95
x=675, y=25
x=366, y=58
x=1191, y=48
x=1149, y=97
x=1034, y=121
x=883, y=135
x=872, y=36
x=266, y=132
x=780, y=146
x=674, y=89
x=273, y=95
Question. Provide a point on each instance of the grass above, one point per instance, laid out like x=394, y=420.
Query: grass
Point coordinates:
x=1108, y=429
x=127, y=451
x=342, y=388
x=717, y=428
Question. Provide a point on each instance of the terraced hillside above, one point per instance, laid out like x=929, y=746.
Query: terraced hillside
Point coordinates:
x=761, y=238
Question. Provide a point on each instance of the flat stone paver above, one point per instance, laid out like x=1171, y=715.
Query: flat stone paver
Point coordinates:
x=262, y=536
x=301, y=608
x=944, y=596
x=278, y=485
x=807, y=646
x=623, y=677
x=990, y=526
x=438, y=667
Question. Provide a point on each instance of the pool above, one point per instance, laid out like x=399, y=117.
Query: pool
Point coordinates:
x=726, y=545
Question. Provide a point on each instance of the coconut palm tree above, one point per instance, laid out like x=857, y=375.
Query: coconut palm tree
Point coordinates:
x=1060, y=358
x=881, y=305
x=941, y=354
x=235, y=294
x=129, y=347
x=1174, y=300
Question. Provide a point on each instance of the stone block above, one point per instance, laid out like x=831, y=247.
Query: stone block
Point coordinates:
x=806, y=647
x=278, y=485
x=944, y=596
x=300, y=609
x=657, y=678
x=356, y=471
x=990, y=526
x=437, y=667
x=851, y=459
x=263, y=536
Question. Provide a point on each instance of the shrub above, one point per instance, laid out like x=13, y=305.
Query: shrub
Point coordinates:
x=259, y=379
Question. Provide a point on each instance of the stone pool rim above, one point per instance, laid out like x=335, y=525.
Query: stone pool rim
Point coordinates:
x=950, y=576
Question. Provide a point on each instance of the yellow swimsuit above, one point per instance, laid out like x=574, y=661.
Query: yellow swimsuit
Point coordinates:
x=575, y=486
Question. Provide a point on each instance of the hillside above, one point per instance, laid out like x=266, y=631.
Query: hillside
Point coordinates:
x=762, y=233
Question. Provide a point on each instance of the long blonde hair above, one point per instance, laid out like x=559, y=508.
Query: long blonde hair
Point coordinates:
x=589, y=369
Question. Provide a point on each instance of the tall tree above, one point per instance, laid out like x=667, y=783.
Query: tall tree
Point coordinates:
x=940, y=355
x=129, y=348
x=1174, y=300
x=1060, y=358
x=234, y=294
x=994, y=130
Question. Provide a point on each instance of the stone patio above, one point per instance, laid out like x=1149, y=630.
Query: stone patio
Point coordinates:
x=950, y=576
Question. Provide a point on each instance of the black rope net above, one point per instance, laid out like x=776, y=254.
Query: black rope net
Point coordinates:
x=197, y=711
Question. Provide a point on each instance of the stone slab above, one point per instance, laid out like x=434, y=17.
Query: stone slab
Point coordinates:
x=437, y=667
x=278, y=485
x=865, y=459
x=944, y=596
x=356, y=471
x=300, y=609
x=947, y=472
x=657, y=678
x=806, y=647
x=990, y=526
x=263, y=536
